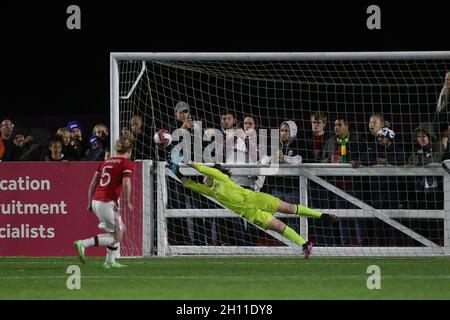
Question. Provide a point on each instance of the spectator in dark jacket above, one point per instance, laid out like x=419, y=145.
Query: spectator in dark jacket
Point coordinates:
x=6, y=139
x=96, y=152
x=426, y=150
x=347, y=147
x=54, y=151
x=316, y=138
x=67, y=149
x=318, y=196
x=441, y=118
x=445, y=144
x=23, y=148
x=76, y=133
x=385, y=190
x=386, y=153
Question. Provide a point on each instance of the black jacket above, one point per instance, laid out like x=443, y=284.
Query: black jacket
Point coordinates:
x=310, y=155
x=395, y=156
x=357, y=148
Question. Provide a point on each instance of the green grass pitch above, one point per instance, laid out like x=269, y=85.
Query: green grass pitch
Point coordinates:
x=226, y=278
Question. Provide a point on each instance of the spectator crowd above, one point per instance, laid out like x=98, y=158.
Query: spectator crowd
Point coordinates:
x=69, y=143
x=325, y=141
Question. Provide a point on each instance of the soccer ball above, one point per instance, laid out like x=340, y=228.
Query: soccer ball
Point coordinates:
x=162, y=138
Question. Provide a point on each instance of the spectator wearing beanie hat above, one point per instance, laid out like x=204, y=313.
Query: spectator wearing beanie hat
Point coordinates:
x=96, y=151
x=75, y=130
x=76, y=137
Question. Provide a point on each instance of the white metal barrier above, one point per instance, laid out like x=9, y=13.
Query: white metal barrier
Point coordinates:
x=313, y=173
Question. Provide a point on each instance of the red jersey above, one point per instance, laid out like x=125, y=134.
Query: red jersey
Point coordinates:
x=112, y=171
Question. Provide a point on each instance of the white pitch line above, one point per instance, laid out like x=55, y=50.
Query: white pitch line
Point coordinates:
x=263, y=278
x=226, y=262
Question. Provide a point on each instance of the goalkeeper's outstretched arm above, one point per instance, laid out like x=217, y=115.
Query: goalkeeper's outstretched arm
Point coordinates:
x=188, y=183
x=182, y=178
x=174, y=167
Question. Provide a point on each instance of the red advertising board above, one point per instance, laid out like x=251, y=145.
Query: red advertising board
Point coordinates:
x=43, y=209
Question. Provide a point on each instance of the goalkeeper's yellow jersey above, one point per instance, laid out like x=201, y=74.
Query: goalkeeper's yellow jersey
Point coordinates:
x=229, y=194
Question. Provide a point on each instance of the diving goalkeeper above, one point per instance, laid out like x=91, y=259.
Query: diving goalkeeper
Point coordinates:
x=256, y=207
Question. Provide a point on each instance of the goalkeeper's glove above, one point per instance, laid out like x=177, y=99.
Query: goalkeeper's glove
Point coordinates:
x=175, y=169
x=174, y=159
x=175, y=155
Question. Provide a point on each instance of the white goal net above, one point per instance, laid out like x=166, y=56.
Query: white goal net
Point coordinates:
x=358, y=135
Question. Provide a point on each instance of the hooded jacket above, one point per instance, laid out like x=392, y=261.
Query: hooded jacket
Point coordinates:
x=425, y=155
x=291, y=148
x=429, y=154
x=291, y=155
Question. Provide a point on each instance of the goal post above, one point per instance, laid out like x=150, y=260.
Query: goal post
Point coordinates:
x=389, y=209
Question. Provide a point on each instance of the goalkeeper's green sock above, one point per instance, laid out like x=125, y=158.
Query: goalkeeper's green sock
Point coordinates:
x=290, y=234
x=307, y=212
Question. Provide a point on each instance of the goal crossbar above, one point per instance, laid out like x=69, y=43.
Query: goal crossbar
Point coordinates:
x=268, y=56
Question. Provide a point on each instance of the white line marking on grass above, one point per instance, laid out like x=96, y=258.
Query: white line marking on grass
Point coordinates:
x=244, y=278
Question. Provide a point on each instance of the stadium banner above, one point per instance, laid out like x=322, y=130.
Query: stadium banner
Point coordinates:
x=43, y=209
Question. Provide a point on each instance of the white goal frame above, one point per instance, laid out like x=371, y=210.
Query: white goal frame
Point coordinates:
x=313, y=172
x=304, y=171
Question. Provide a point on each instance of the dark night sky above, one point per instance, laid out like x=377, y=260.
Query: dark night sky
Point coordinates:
x=50, y=70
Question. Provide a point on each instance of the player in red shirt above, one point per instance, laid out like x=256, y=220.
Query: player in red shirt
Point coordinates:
x=111, y=176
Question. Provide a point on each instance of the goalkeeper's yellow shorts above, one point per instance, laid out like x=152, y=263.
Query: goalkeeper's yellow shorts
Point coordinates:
x=263, y=201
x=262, y=208
x=259, y=217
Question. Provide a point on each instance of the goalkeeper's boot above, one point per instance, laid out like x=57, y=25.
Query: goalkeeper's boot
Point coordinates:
x=329, y=217
x=307, y=248
x=113, y=265
x=80, y=249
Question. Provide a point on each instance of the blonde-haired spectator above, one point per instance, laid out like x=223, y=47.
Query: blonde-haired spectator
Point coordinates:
x=101, y=131
x=441, y=118
x=67, y=149
x=445, y=143
x=445, y=93
x=64, y=134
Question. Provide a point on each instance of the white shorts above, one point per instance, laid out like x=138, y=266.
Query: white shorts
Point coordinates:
x=108, y=215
